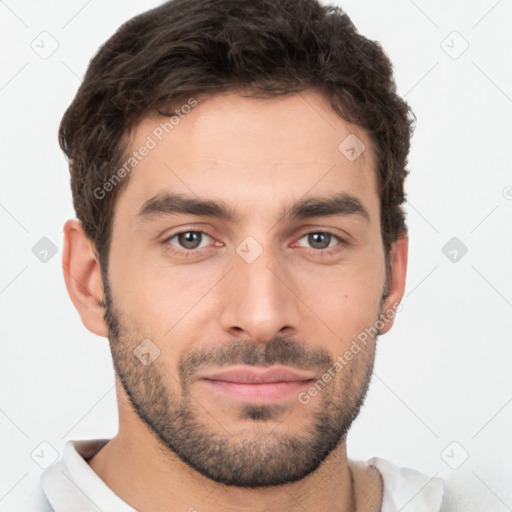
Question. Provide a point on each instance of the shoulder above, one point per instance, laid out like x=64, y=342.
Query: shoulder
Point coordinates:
x=33, y=498
x=407, y=489
x=53, y=488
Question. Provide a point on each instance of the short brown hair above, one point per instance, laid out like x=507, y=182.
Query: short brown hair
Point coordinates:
x=188, y=48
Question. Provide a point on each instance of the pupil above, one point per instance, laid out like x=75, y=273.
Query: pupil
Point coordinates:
x=188, y=239
x=191, y=237
x=316, y=237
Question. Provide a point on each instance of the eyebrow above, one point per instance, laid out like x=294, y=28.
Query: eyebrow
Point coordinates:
x=164, y=204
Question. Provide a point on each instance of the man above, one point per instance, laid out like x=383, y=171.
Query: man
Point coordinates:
x=238, y=173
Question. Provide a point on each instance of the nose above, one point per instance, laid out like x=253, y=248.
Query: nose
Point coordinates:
x=259, y=301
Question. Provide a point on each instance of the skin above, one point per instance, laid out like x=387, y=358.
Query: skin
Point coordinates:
x=257, y=156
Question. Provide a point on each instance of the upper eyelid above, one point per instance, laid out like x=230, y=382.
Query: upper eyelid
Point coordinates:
x=302, y=235
x=170, y=237
x=188, y=231
x=327, y=232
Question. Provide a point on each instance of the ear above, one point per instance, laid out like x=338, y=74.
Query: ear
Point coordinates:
x=82, y=275
x=398, y=254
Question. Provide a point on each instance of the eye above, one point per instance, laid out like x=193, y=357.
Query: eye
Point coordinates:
x=323, y=240
x=187, y=241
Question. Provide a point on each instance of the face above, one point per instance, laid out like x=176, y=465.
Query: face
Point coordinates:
x=246, y=259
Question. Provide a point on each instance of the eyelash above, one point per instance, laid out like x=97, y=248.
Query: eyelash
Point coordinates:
x=342, y=243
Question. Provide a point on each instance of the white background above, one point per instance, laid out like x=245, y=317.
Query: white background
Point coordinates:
x=443, y=373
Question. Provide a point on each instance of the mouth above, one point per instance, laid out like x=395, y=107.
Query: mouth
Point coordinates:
x=257, y=385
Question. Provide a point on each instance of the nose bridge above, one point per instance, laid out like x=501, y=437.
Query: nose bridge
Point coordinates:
x=259, y=302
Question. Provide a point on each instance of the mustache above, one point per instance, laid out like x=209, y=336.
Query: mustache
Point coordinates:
x=285, y=351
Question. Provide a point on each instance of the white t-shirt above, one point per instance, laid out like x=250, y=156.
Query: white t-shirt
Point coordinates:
x=70, y=485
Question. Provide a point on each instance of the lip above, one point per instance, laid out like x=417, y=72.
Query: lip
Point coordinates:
x=243, y=374
x=257, y=385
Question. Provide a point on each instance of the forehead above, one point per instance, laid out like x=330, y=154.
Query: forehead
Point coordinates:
x=254, y=153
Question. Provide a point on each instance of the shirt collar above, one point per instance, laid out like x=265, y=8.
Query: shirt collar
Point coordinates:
x=406, y=487
x=71, y=485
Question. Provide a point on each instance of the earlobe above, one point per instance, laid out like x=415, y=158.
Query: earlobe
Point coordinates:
x=399, y=257
x=82, y=274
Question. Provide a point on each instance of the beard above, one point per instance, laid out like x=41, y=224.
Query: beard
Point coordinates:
x=255, y=455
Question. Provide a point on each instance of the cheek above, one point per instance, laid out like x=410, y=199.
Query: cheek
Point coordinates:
x=347, y=309
x=344, y=298
x=162, y=296
x=164, y=299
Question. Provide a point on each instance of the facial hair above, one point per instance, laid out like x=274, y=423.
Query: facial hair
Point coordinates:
x=258, y=457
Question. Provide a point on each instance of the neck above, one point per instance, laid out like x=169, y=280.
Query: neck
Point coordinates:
x=152, y=480
x=149, y=477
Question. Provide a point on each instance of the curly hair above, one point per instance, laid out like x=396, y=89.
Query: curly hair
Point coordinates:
x=264, y=48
